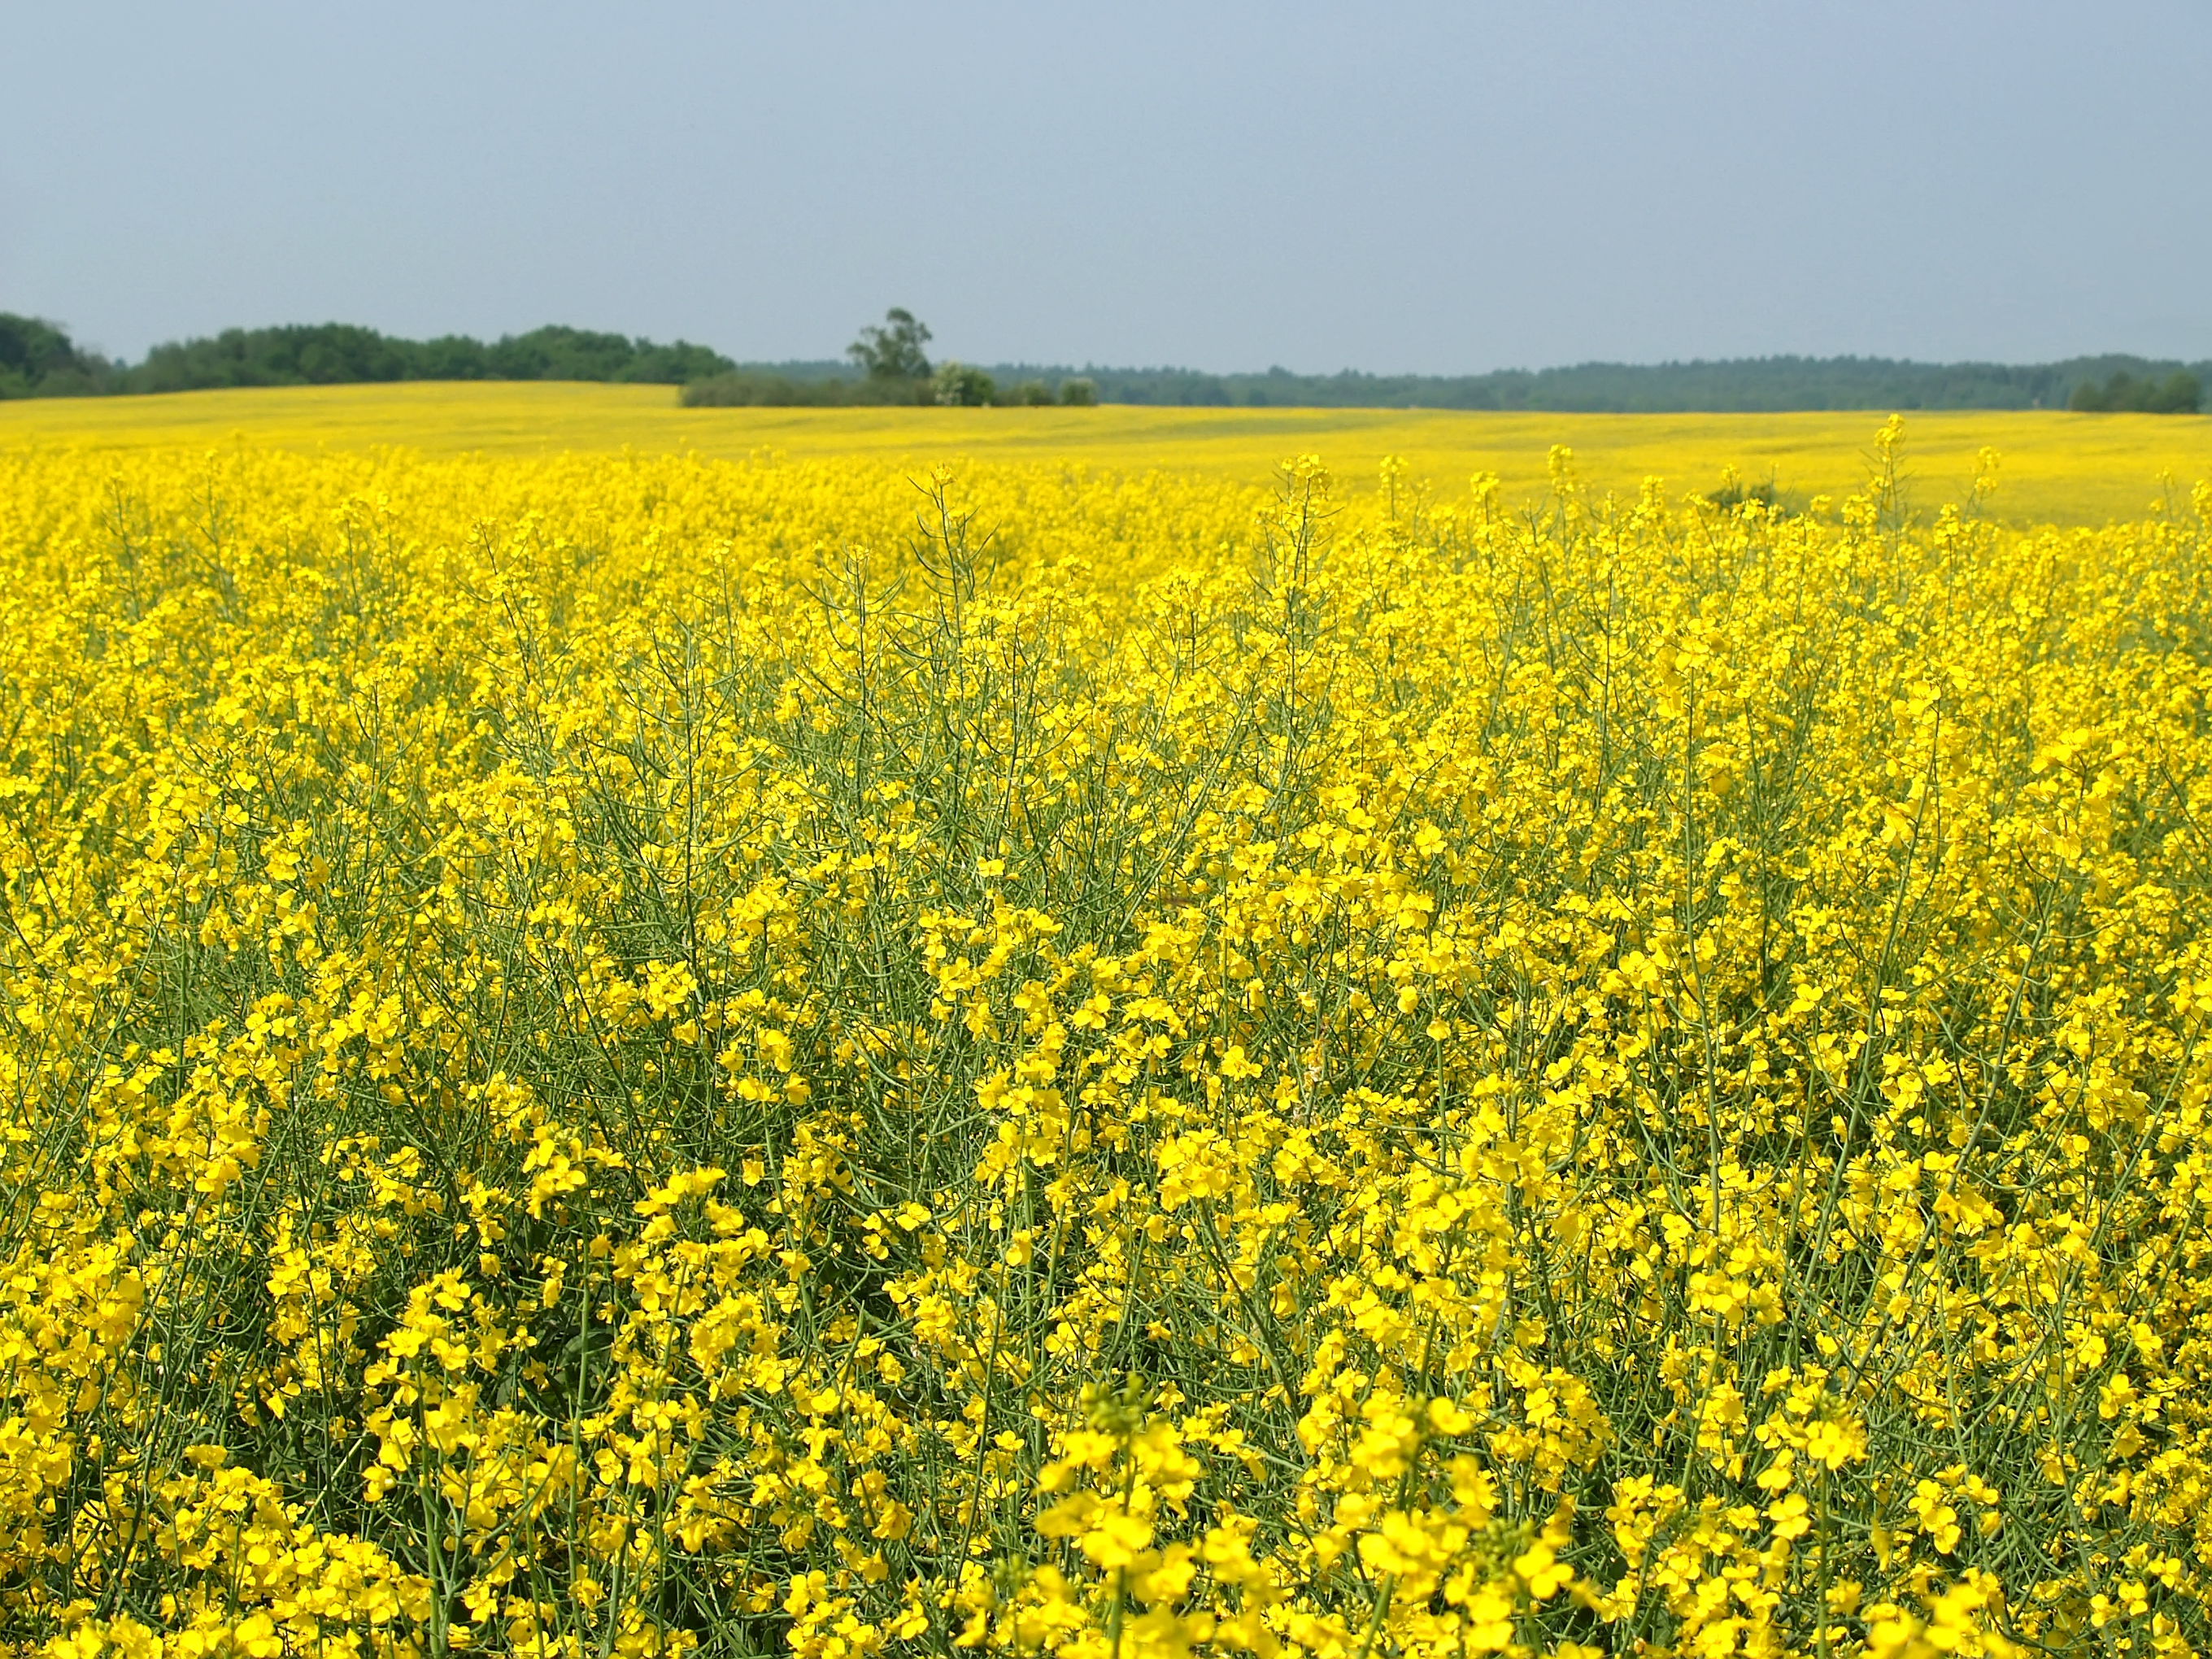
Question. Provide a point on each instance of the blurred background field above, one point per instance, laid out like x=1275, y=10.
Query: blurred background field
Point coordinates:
x=2058, y=467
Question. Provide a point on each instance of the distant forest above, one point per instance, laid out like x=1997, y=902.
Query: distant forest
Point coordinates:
x=38, y=359
x=1744, y=385
x=1739, y=386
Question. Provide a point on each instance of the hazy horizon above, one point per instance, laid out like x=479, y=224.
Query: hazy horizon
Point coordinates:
x=1409, y=189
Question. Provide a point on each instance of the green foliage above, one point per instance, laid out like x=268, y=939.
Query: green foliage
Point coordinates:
x=1738, y=385
x=321, y=355
x=804, y=385
x=893, y=351
x=2179, y=393
x=569, y=354
x=962, y=385
x=329, y=354
x=38, y=359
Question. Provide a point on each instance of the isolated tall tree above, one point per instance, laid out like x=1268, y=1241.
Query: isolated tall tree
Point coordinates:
x=893, y=351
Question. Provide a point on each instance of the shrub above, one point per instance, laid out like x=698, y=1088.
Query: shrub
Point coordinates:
x=961, y=384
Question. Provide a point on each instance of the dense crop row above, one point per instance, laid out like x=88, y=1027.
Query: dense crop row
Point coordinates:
x=623, y=1056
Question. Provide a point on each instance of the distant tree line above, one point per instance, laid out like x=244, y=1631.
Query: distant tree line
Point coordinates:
x=790, y=387
x=38, y=359
x=2180, y=393
x=1750, y=384
x=888, y=365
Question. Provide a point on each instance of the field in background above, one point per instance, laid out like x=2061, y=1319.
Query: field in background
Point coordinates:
x=2058, y=468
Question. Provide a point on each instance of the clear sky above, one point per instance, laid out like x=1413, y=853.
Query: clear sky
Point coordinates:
x=1437, y=187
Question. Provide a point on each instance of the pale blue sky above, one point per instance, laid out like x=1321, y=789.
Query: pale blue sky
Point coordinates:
x=1435, y=187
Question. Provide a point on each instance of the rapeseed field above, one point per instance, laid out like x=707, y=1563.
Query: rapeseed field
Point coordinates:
x=2060, y=468
x=636, y=1055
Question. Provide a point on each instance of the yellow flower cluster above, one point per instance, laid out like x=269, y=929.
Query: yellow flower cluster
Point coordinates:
x=648, y=1057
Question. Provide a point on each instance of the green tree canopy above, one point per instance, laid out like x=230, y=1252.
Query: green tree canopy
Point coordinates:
x=893, y=350
x=2179, y=394
x=36, y=355
x=956, y=382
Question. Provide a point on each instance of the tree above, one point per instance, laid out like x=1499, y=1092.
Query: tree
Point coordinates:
x=963, y=383
x=39, y=356
x=893, y=351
